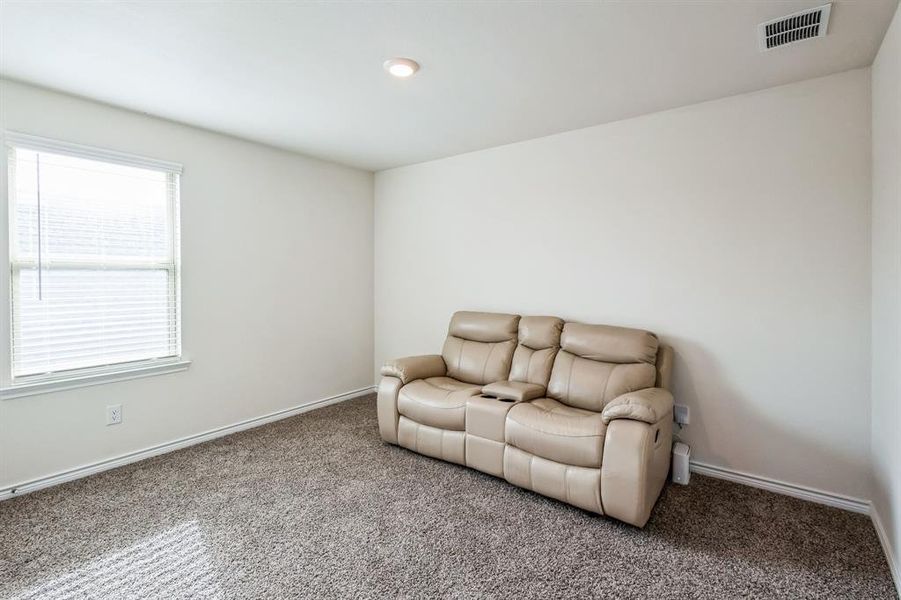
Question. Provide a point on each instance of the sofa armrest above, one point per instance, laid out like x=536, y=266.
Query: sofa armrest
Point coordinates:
x=648, y=405
x=517, y=391
x=415, y=367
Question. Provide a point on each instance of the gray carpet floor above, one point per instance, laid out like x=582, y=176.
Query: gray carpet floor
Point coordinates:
x=316, y=506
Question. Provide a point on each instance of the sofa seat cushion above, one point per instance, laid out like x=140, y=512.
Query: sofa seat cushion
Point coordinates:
x=555, y=431
x=437, y=402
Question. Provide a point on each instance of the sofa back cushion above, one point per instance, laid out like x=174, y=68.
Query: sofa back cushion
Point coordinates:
x=664, y=367
x=539, y=340
x=597, y=363
x=479, y=346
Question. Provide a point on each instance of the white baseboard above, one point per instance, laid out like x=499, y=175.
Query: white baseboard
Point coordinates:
x=893, y=565
x=857, y=505
x=112, y=463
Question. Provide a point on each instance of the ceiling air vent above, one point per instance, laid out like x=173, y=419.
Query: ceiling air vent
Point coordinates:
x=795, y=27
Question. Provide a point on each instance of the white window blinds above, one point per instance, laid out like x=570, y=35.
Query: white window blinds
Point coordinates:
x=94, y=266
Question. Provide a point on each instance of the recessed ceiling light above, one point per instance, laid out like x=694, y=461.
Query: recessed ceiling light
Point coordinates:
x=401, y=67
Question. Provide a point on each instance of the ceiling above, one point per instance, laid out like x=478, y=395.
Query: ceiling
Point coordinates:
x=308, y=76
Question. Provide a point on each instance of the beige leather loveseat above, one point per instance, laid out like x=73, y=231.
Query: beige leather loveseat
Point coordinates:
x=580, y=413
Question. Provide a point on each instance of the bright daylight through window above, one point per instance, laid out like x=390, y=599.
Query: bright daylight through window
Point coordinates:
x=94, y=261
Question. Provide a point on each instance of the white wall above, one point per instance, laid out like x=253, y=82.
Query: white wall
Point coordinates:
x=277, y=290
x=737, y=229
x=886, y=443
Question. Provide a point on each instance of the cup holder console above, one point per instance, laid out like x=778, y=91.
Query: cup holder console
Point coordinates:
x=490, y=397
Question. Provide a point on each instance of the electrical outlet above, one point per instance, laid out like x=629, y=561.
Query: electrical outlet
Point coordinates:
x=681, y=414
x=114, y=414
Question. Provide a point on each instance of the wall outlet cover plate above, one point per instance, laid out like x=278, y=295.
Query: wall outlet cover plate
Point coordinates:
x=114, y=414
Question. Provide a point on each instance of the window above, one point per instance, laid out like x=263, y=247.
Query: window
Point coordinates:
x=94, y=260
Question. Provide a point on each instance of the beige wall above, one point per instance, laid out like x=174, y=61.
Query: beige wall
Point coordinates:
x=737, y=229
x=886, y=434
x=277, y=290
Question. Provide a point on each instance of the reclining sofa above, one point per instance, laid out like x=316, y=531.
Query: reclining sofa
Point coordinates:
x=580, y=413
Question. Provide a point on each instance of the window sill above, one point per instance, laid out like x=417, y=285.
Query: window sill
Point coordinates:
x=47, y=386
